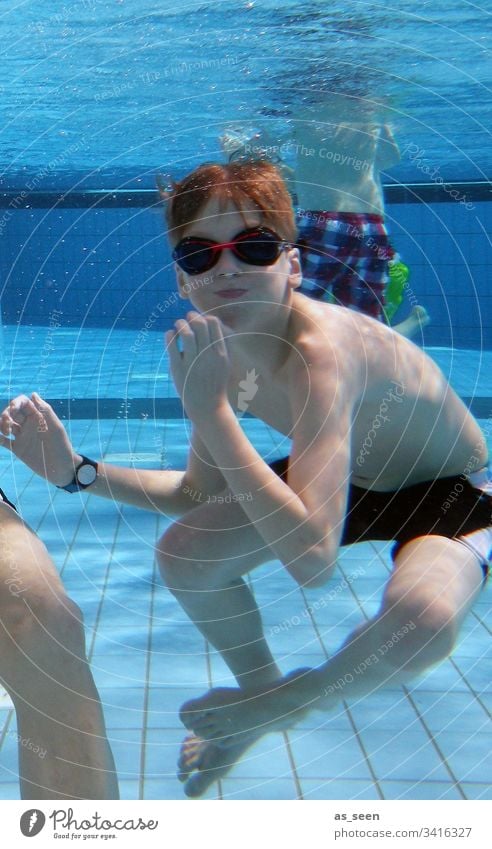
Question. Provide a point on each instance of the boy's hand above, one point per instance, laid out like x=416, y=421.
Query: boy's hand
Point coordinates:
x=32, y=431
x=199, y=363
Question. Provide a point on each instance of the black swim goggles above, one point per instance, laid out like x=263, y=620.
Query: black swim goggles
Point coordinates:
x=254, y=246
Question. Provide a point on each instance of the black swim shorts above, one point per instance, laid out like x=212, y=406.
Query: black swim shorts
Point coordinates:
x=3, y=497
x=449, y=507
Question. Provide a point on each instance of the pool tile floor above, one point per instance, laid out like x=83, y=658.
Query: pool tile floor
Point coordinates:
x=430, y=740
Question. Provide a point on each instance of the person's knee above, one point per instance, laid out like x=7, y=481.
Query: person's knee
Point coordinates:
x=179, y=563
x=42, y=649
x=436, y=621
x=39, y=620
x=421, y=628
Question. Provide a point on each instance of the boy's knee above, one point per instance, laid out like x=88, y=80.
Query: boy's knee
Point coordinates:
x=437, y=622
x=421, y=629
x=178, y=563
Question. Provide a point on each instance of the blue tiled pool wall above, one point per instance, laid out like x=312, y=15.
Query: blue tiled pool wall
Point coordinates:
x=111, y=267
x=448, y=250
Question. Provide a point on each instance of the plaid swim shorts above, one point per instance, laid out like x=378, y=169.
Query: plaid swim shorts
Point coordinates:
x=345, y=258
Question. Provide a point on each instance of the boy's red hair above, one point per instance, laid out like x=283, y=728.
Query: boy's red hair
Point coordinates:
x=256, y=181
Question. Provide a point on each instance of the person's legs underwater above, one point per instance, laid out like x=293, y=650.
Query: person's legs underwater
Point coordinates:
x=433, y=586
x=202, y=559
x=43, y=668
x=346, y=254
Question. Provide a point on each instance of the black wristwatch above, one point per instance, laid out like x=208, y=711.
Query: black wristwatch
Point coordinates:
x=85, y=475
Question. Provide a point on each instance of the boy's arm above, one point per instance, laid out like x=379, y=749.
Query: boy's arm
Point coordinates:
x=302, y=521
x=33, y=432
x=169, y=492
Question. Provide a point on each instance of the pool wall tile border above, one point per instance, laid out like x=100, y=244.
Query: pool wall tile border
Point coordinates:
x=117, y=198
x=100, y=259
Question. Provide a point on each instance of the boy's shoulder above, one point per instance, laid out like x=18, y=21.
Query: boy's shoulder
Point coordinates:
x=352, y=349
x=329, y=328
x=327, y=340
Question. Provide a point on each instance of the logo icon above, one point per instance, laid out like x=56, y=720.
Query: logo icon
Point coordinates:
x=248, y=389
x=32, y=822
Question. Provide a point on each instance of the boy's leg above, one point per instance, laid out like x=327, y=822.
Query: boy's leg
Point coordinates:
x=63, y=749
x=432, y=588
x=414, y=323
x=341, y=212
x=202, y=559
x=334, y=234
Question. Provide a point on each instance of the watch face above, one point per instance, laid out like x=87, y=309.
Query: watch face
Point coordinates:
x=86, y=474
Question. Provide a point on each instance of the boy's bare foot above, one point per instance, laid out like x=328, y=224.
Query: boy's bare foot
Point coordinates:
x=228, y=716
x=416, y=321
x=201, y=762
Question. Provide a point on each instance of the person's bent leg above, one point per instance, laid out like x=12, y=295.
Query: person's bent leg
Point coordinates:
x=202, y=559
x=432, y=587
x=63, y=748
x=414, y=323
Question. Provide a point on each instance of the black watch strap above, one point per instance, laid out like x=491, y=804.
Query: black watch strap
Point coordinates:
x=85, y=475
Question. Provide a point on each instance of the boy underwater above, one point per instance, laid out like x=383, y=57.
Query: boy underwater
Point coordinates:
x=357, y=470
